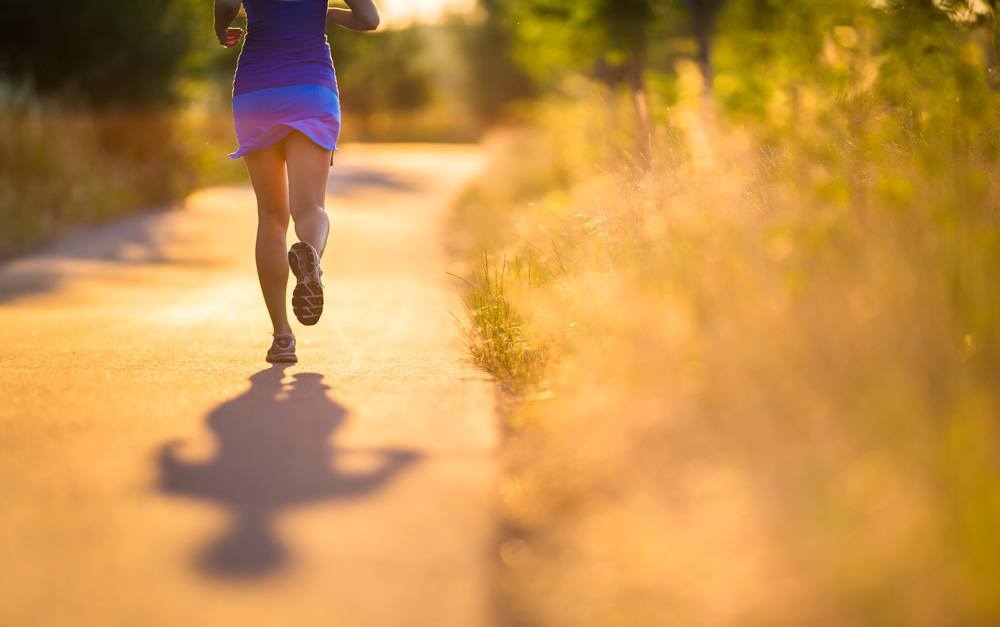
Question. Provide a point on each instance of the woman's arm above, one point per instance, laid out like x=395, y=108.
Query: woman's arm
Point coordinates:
x=361, y=16
x=225, y=12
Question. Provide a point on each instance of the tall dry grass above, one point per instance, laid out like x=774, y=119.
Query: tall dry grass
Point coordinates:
x=771, y=397
x=64, y=167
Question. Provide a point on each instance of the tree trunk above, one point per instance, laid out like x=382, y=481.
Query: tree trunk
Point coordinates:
x=702, y=133
x=702, y=21
x=640, y=100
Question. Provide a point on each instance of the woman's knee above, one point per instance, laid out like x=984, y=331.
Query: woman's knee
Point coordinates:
x=307, y=211
x=273, y=216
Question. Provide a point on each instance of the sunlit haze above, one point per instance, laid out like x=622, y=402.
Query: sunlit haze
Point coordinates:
x=500, y=313
x=401, y=12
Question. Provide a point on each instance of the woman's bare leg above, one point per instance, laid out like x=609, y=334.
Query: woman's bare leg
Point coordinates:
x=267, y=174
x=308, y=170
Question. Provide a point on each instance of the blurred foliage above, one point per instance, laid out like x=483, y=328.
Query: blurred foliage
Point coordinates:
x=111, y=107
x=767, y=386
x=103, y=113
x=493, y=80
x=101, y=52
x=63, y=166
x=556, y=36
x=382, y=72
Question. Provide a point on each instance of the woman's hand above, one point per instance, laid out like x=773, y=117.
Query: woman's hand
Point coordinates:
x=231, y=36
x=225, y=12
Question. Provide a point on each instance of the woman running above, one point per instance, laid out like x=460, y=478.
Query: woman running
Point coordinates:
x=286, y=110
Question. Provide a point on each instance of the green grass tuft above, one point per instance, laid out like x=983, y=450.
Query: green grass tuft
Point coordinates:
x=497, y=336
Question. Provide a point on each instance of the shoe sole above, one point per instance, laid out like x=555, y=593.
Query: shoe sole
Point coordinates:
x=307, y=297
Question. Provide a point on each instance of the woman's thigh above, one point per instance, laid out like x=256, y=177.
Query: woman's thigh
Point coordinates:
x=267, y=175
x=308, y=171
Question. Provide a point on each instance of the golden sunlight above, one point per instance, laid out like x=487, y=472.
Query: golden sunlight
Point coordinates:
x=403, y=12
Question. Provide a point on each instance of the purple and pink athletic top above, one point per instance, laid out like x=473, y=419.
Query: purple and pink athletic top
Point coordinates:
x=285, y=79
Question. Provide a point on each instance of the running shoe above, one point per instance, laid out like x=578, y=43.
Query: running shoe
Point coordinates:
x=282, y=350
x=307, y=297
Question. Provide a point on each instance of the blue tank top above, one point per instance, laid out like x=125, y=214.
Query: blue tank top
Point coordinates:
x=285, y=45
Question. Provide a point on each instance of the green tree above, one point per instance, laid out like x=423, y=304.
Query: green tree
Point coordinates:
x=618, y=42
x=493, y=77
x=381, y=72
x=101, y=52
x=607, y=39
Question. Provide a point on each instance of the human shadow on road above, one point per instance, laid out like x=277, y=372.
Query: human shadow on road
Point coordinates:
x=273, y=453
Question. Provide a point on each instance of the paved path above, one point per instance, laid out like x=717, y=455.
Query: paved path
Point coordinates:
x=154, y=472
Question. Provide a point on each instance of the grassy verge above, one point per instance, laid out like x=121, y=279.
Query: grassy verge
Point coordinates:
x=498, y=337
x=64, y=168
x=761, y=386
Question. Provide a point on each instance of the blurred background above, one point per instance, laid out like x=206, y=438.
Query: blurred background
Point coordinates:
x=734, y=264
x=110, y=107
